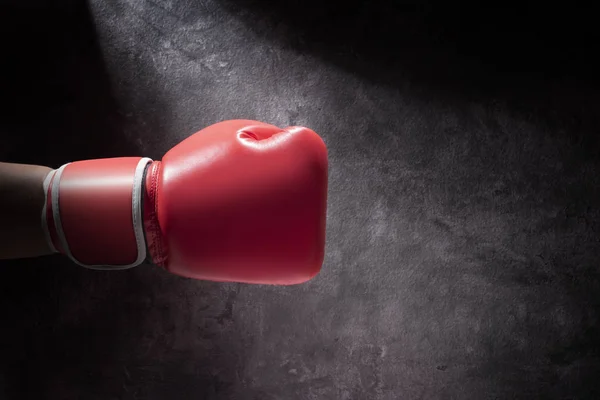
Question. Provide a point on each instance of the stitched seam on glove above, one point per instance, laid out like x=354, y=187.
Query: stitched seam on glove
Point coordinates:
x=161, y=256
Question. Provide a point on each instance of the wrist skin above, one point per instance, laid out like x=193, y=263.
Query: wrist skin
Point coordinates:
x=21, y=199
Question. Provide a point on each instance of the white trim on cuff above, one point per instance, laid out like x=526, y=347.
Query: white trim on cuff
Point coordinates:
x=45, y=228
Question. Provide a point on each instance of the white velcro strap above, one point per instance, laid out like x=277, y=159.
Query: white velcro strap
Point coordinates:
x=45, y=212
x=136, y=210
x=56, y=211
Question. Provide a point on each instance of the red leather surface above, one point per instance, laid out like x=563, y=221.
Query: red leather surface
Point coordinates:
x=95, y=208
x=245, y=201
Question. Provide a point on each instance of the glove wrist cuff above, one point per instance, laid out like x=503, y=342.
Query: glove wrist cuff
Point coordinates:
x=93, y=212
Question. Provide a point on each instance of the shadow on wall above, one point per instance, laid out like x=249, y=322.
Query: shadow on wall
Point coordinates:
x=539, y=61
x=57, y=104
x=70, y=332
x=59, y=321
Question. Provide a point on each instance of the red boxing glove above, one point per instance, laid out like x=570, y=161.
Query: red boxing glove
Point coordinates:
x=239, y=201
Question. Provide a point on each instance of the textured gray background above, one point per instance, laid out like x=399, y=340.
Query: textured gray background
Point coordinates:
x=462, y=246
